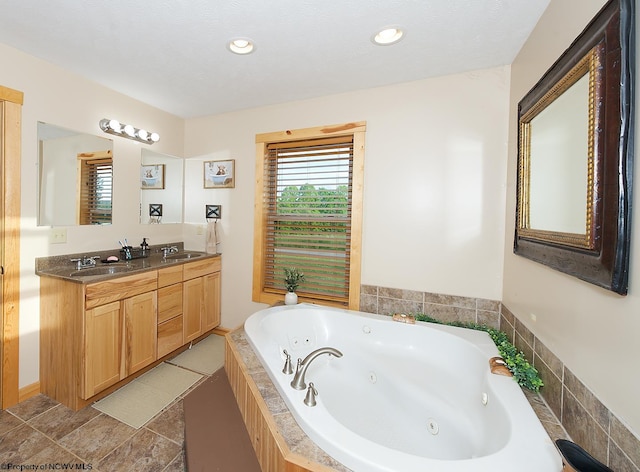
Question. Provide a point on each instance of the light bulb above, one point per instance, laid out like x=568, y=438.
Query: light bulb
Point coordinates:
x=155, y=137
x=241, y=46
x=388, y=36
x=129, y=131
x=115, y=126
x=142, y=134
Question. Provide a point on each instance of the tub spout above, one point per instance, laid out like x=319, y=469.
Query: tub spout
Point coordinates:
x=301, y=369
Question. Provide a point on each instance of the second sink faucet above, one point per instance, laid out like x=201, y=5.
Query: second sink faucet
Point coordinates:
x=85, y=261
x=301, y=369
x=168, y=250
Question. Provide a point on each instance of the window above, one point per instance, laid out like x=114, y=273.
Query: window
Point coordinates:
x=309, y=213
x=96, y=184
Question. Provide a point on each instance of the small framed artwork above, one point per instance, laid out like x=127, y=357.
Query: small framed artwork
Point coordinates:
x=219, y=174
x=152, y=177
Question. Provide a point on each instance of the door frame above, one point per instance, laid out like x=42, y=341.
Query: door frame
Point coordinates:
x=10, y=162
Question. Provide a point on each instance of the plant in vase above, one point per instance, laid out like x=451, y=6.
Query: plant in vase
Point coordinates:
x=292, y=280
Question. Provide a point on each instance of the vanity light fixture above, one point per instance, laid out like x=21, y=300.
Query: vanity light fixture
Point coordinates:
x=387, y=36
x=128, y=131
x=241, y=46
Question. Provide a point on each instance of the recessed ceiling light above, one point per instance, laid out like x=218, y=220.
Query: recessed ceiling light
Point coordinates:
x=388, y=35
x=241, y=46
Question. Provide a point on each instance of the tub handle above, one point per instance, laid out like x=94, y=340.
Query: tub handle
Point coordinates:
x=310, y=399
x=288, y=368
x=499, y=366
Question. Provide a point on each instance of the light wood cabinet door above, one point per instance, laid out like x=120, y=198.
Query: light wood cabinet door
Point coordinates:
x=170, y=336
x=140, y=331
x=192, y=306
x=169, y=302
x=102, y=348
x=211, y=301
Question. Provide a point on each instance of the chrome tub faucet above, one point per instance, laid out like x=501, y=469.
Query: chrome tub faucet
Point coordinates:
x=301, y=369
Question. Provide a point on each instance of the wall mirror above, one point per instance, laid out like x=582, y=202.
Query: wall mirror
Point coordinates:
x=75, y=173
x=575, y=155
x=161, y=188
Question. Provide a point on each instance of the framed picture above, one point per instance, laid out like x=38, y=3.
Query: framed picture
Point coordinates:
x=219, y=174
x=152, y=177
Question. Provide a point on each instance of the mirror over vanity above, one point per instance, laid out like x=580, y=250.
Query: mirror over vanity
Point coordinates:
x=75, y=177
x=575, y=155
x=75, y=180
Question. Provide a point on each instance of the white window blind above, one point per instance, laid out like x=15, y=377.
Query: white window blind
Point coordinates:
x=96, y=185
x=308, y=196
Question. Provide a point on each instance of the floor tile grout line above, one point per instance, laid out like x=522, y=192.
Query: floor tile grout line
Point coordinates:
x=17, y=426
x=135, y=431
x=163, y=436
x=35, y=416
x=173, y=460
x=90, y=421
x=56, y=442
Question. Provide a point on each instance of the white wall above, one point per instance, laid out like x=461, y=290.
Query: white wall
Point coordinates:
x=435, y=167
x=61, y=98
x=593, y=331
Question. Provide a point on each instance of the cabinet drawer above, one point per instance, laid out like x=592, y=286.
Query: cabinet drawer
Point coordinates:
x=169, y=336
x=200, y=268
x=123, y=287
x=169, y=302
x=169, y=276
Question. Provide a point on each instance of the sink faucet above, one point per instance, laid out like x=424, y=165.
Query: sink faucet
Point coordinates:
x=301, y=369
x=168, y=250
x=85, y=262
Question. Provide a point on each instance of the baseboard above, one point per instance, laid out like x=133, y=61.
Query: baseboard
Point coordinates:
x=29, y=391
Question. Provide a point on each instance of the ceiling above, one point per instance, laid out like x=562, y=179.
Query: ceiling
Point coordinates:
x=172, y=54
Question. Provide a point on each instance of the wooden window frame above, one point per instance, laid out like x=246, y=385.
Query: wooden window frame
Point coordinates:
x=357, y=131
x=88, y=165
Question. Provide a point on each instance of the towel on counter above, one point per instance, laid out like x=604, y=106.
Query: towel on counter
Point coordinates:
x=212, y=237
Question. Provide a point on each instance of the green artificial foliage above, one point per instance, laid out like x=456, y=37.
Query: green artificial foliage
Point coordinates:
x=523, y=372
x=292, y=278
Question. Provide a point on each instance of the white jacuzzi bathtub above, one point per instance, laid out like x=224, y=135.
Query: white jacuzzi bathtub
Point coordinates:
x=402, y=397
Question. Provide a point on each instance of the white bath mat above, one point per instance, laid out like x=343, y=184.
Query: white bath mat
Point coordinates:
x=205, y=357
x=140, y=400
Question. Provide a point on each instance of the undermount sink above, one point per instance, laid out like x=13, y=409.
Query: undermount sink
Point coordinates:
x=183, y=255
x=107, y=270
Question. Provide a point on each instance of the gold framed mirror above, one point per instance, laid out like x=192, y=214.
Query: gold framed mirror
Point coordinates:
x=575, y=155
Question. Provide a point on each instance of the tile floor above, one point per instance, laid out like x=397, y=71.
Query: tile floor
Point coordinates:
x=41, y=431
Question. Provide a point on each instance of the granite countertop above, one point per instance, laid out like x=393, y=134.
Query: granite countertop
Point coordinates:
x=62, y=267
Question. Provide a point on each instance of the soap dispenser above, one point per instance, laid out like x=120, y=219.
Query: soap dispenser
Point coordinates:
x=144, y=245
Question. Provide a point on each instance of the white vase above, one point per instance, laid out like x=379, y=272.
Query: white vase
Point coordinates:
x=291, y=298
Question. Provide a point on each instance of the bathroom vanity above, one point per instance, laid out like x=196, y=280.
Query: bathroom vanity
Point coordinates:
x=97, y=331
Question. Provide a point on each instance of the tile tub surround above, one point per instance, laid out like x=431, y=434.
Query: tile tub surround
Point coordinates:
x=447, y=308
x=587, y=421
x=564, y=403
